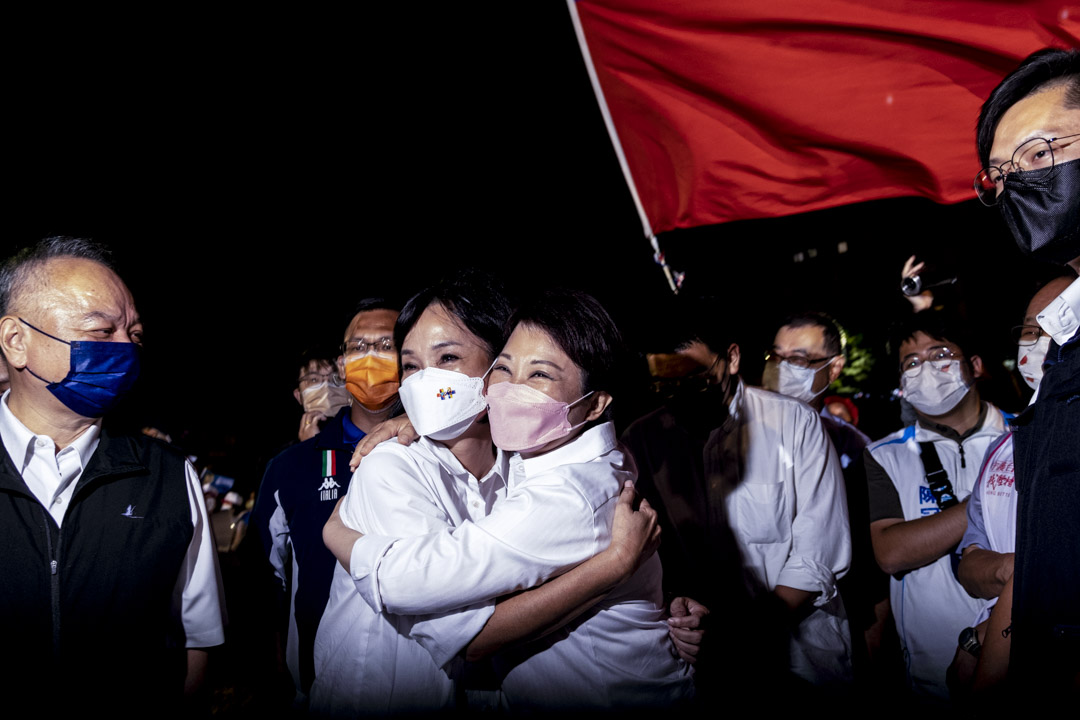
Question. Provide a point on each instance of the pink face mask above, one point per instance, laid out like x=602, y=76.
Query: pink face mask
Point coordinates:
x=524, y=419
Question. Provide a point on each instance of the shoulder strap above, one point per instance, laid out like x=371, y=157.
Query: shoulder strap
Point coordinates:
x=936, y=477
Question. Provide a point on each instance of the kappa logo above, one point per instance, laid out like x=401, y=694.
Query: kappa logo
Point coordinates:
x=130, y=513
x=328, y=489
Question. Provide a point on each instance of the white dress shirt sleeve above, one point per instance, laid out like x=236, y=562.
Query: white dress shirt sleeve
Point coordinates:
x=544, y=527
x=821, y=538
x=199, y=588
x=389, y=495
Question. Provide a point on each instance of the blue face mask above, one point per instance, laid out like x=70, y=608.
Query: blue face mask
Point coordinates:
x=100, y=374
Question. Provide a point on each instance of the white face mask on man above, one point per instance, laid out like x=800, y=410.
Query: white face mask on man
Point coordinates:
x=935, y=391
x=1029, y=361
x=793, y=381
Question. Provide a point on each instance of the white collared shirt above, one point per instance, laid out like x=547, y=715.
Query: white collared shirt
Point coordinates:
x=52, y=477
x=1061, y=318
x=557, y=513
x=788, y=511
x=367, y=662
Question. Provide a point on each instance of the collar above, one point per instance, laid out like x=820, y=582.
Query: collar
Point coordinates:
x=1061, y=318
x=339, y=433
x=20, y=440
x=589, y=445
x=734, y=407
x=442, y=454
x=948, y=432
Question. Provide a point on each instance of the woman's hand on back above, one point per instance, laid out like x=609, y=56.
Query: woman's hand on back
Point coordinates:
x=635, y=531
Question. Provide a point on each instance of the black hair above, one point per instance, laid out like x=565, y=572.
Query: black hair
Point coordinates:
x=835, y=339
x=582, y=328
x=321, y=355
x=477, y=299
x=371, y=303
x=25, y=265
x=1044, y=69
x=938, y=324
x=706, y=319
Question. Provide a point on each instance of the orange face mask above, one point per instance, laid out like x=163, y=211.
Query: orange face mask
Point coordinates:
x=372, y=380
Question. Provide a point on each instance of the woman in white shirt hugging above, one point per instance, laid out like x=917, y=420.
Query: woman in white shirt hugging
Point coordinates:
x=599, y=639
x=375, y=658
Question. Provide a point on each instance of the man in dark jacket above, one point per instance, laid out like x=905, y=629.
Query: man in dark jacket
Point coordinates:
x=1029, y=144
x=111, y=591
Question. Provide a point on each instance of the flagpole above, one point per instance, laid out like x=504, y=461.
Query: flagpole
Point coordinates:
x=674, y=279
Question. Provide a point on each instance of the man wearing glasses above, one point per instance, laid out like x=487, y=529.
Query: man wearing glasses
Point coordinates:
x=988, y=547
x=319, y=394
x=1029, y=141
x=302, y=485
x=919, y=479
x=807, y=356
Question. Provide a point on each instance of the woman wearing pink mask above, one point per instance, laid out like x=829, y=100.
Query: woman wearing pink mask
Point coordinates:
x=374, y=657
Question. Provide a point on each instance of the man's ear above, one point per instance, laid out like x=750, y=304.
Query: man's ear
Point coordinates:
x=340, y=364
x=12, y=341
x=977, y=369
x=600, y=401
x=733, y=359
x=298, y=395
x=836, y=368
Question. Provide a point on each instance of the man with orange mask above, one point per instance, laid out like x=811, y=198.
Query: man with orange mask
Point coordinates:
x=302, y=485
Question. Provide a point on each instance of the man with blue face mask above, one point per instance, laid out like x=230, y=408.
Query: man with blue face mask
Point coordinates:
x=111, y=590
x=919, y=479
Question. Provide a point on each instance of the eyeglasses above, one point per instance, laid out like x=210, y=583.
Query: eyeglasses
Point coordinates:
x=799, y=361
x=1027, y=334
x=938, y=357
x=1033, y=156
x=382, y=346
x=310, y=379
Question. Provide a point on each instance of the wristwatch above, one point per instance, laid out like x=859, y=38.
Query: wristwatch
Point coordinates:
x=969, y=641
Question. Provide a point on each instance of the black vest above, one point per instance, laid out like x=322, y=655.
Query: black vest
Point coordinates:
x=86, y=609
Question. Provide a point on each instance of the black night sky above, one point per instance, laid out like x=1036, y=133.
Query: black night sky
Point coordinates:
x=256, y=175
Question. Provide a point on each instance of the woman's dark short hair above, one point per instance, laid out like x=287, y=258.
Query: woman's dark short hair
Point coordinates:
x=1042, y=70
x=582, y=328
x=478, y=300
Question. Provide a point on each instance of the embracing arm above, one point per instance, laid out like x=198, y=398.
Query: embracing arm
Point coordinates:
x=536, y=612
x=544, y=527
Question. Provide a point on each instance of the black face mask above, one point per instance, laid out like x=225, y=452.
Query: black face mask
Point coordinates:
x=1044, y=212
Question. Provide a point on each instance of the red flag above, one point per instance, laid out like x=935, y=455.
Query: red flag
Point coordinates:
x=733, y=110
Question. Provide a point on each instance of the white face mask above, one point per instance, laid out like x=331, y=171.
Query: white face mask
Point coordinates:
x=325, y=397
x=935, y=392
x=1029, y=361
x=442, y=404
x=796, y=382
